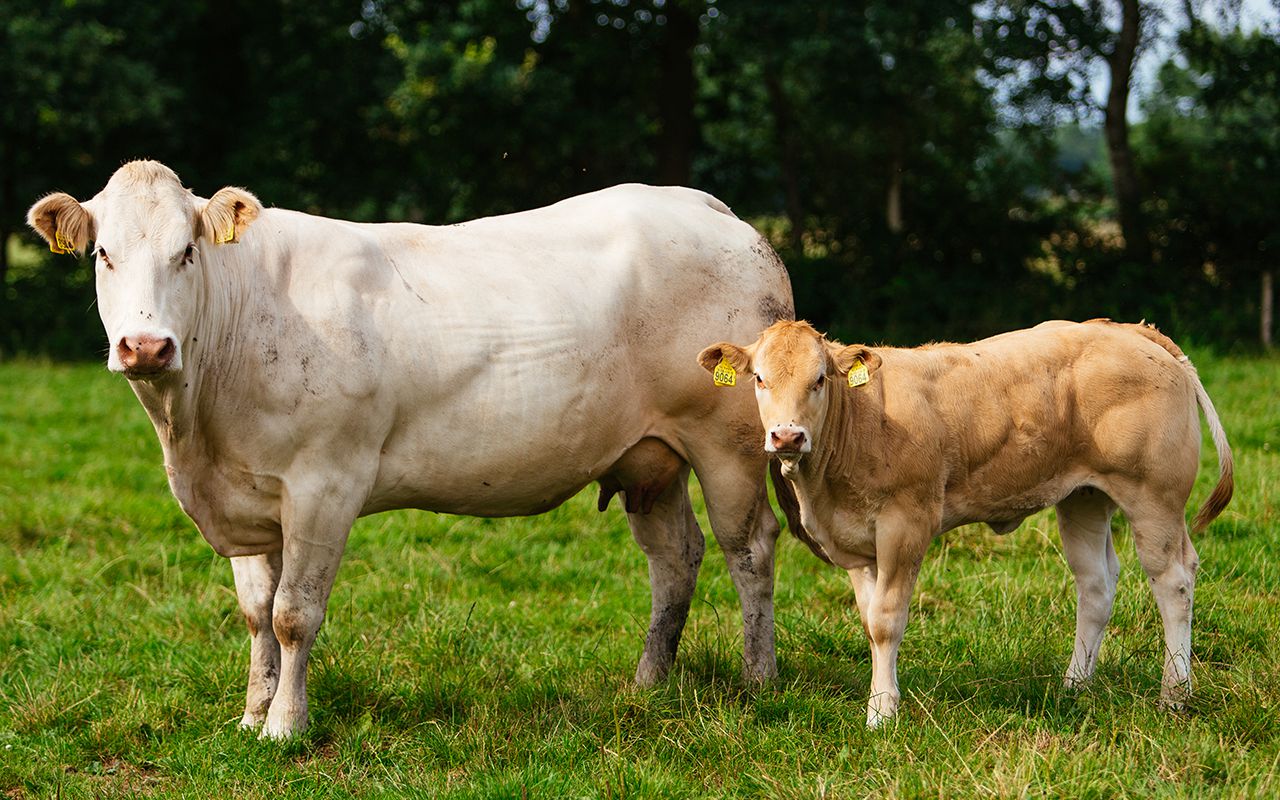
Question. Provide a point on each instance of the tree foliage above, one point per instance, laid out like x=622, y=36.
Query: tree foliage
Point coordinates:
x=928, y=168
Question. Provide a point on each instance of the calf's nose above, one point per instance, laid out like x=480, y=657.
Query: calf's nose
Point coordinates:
x=145, y=353
x=787, y=439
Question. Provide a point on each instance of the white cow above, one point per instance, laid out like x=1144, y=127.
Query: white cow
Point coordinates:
x=301, y=372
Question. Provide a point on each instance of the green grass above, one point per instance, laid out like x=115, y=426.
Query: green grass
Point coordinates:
x=492, y=658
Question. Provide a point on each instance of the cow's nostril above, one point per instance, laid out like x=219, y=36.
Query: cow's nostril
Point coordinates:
x=165, y=354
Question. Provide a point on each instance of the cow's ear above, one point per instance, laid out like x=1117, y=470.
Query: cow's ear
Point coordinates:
x=738, y=357
x=65, y=224
x=227, y=214
x=847, y=357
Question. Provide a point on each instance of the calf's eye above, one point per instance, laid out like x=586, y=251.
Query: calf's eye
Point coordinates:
x=759, y=381
x=818, y=383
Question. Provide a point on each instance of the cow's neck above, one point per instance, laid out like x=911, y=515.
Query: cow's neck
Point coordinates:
x=176, y=403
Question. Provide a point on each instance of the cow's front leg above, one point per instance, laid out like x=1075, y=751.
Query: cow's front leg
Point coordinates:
x=316, y=522
x=900, y=549
x=256, y=580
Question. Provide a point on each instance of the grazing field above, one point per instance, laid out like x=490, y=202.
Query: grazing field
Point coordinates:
x=492, y=658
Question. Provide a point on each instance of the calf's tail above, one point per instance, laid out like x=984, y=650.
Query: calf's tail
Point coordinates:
x=1226, y=464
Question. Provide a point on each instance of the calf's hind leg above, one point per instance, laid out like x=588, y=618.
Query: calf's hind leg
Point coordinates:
x=1170, y=561
x=256, y=580
x=1084, y=522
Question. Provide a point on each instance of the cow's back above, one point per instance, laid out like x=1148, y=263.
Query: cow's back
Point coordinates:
x=511, y=359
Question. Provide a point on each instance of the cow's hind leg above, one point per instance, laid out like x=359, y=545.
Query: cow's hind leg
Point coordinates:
x=316, y=520
x=1170, y=561
x=1084, y=522
x=668, y=534
x=747, y=532
x=256, y=580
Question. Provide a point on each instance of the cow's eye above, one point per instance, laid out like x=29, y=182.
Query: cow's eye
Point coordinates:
x=189, y=254
x=759, y=381
x=818, y=383
x=102, y=254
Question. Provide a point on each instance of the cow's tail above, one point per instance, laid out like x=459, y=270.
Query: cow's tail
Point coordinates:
x=1226, y=464
x=791, y=510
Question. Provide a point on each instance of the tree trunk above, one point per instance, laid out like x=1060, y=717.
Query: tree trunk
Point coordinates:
x=1124, y=177
x=787, y=149
x=1266, y=320
x=675, y=97
x=893, y=203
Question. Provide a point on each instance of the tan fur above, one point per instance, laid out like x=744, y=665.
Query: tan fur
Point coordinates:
x=61, y=213
x=1092, y=415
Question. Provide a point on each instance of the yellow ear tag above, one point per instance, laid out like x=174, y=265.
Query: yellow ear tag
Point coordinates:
x=228, y=237
x=62, y=245
x=858, y=374
x=724, y=373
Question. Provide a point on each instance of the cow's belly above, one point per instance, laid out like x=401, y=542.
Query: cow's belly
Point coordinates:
x=510, y=447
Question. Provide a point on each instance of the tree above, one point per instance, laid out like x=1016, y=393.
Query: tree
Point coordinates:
x=1123, y=174
x=1215, y=125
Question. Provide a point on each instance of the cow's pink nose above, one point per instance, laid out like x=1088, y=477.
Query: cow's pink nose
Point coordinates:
x=787, y=439
x=145, y=353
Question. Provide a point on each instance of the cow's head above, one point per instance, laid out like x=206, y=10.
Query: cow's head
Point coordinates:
x=795, y=368
x=148, y=234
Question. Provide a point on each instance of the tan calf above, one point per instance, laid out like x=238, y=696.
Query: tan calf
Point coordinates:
x=888, y=448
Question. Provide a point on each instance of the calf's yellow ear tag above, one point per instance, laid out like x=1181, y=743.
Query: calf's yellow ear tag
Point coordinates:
x=858, y=374
x=62, y=244
x=724, y=374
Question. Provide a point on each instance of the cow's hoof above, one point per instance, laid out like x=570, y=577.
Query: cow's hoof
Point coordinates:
x=760, y=674
x=251, y=721
x=1174, y=705
x=281, y=730
x=649, y=675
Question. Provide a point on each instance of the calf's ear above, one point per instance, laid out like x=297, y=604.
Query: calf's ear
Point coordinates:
x=738, y=357
x=65, y=224
x=847, y=357
x=226, y=215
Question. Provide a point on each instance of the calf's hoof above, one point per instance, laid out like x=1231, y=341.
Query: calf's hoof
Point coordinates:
x=881, y=708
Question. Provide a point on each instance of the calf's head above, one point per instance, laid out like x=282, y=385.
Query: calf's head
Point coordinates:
x=149, y=235
x=795, y=369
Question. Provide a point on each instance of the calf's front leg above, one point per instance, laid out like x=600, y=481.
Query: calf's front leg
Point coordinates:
x=316, y=522
x=899, y=552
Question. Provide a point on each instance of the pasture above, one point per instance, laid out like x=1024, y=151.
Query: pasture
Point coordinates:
x=493, y=658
